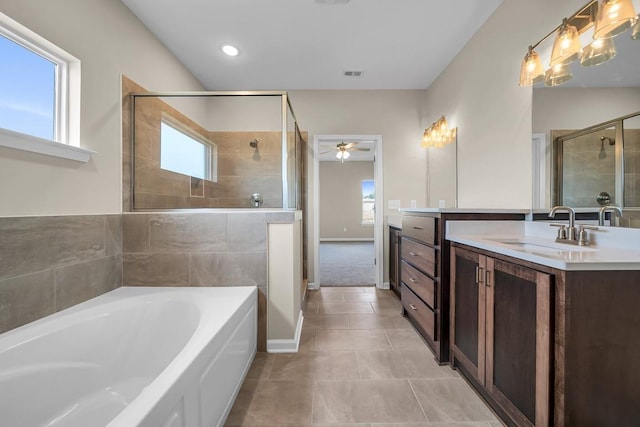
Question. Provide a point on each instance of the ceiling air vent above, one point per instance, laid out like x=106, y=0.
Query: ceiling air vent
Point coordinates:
x=353, y=73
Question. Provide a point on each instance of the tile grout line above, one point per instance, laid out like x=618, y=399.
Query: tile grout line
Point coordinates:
x=418, y=400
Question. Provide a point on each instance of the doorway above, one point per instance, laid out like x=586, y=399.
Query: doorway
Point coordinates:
x=347, y=236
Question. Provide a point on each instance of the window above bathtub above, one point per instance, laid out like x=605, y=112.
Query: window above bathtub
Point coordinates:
x=39, y=94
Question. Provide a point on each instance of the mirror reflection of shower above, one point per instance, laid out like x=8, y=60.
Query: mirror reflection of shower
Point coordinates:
x=256, y=153
x=603, y=154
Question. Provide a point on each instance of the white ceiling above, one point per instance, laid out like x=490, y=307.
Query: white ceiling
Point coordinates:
x=303, y=44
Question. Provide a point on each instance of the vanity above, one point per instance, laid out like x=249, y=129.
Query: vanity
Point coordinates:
x=423, y=266
x=547, y=332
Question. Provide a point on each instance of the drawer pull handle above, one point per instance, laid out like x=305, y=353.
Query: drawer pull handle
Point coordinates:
x=415, y=227
x=413, y=307
x=413, y=253
x=412, y=280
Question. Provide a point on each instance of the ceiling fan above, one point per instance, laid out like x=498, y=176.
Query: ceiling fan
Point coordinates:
x=343, y=149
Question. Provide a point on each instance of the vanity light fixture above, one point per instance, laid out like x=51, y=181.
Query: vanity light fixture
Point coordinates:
x=603, y=18
x=614, y=17
x=566, y=47
x=438, y=134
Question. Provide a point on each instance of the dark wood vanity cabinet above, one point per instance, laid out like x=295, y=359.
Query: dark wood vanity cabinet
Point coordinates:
x=425, y=271
x=547, y=346
x=500, y=336
x=394, y=259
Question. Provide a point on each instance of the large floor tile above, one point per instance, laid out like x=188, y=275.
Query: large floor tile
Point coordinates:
x=315, y=365
x=340, y=289
x=326, y=321
x=365, y=297
x=327, y=296
x=344, y=307
x=307, y=341
x=378, y=321
x=261, y=366
x=401, y=364
x=450, y=400
x=272, y=402
x=388, y=306
x=405, y=339
x=365, y=401
x=311, y=307
x=332, y=340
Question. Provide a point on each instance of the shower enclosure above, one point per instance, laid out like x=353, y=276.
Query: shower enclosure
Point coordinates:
x=598, y=165
x=214, y=150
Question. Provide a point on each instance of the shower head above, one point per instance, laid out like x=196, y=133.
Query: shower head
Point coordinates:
x=611, y=140
x=254, y=143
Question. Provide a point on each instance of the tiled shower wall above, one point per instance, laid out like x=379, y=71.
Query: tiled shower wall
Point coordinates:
x=200, y=249
x=51, y=263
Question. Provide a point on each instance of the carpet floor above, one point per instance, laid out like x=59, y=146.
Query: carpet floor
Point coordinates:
x=347, y=264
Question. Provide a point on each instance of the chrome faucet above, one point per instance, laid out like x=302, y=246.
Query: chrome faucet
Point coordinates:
x=615, y=211
x=570, y=235
x=571, y=232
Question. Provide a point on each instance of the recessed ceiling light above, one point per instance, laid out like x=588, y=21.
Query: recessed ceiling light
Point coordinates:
x=230, y=49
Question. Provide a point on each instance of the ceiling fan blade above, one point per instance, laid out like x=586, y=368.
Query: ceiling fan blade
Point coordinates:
x=360, y=149
x=351, y=144
x=325, y=152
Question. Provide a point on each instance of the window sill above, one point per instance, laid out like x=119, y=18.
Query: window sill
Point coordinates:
x=20, y=141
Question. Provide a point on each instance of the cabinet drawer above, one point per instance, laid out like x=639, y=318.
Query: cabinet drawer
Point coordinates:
x=421, y=284
x=419, y=255
x=421, y=314
x=421, y=228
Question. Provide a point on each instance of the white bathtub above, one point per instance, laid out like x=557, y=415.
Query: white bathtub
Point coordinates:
x=135, y=356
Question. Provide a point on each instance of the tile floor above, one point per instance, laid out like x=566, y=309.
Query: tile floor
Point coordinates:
x=359, y=364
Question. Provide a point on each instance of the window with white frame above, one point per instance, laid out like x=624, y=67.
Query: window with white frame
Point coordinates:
x=185, y=152
x=39, y=94
x=368, y=202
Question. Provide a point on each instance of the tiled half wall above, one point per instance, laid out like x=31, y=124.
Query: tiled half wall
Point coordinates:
x=200, y=249
x=51, y=263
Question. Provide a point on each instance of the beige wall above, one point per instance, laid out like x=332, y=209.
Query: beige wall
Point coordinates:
x=394, y=114
x=479, y=93
x=341, y=200
x=109, y=41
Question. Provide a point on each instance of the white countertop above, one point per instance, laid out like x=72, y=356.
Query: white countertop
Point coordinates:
x=612, y=248
x=463, y=210
x=395, y=221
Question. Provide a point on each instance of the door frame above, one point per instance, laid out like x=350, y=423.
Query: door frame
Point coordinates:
x=378, y=227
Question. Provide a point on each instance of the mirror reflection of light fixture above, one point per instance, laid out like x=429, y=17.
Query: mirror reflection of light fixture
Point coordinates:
x=557, y=75
x=438, y=134
x=600, y=19
x=566, y=47
x=636, y=29
x=597, y=52
x=613, y=18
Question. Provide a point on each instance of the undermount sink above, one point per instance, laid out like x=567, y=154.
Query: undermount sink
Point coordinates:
x=546, y=248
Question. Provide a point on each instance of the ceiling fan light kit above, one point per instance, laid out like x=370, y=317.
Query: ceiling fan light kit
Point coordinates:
x=600, y=19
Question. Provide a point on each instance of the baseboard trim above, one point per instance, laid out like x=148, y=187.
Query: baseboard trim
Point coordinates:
x=312, y=286
x=287, y=345
x=385, y=285
x=346, y=239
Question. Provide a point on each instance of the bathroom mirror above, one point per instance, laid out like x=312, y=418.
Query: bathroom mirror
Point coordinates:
x=595, y=95
x=442, y=179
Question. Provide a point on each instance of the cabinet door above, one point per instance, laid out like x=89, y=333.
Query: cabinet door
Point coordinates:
x=518, y=341
x=467, y=313
x=394, y=260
